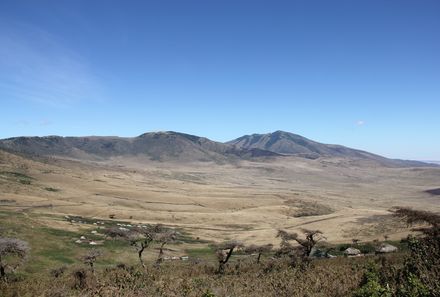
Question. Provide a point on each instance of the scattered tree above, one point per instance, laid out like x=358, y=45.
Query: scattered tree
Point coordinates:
x=11, y=247
x=259, y=250
x=164, y=238
x=224, y=252
x=312, y=237
x=142, y=237
x=133, y=236
x=91, y=257
x=412, y=216
x=142, y=242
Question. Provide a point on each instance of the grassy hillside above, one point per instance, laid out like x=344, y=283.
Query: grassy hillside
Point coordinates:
x=55, y=267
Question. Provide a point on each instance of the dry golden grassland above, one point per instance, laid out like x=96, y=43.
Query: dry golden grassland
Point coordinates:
x=248, y=201
x=52, y=203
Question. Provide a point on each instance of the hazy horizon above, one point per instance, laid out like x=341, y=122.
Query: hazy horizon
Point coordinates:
x=362, y=75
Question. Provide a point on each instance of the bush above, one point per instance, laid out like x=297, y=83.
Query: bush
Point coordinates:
x=367, y=249
x=370, y=286
x=208, y=293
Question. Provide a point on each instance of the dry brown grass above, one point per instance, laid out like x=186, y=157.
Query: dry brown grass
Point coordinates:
x=335, y=277
x=244, y=201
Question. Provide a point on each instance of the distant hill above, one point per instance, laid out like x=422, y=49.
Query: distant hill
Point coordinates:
x=432, y=162
x=175, y=146
x=157, y=146
x=292, y=144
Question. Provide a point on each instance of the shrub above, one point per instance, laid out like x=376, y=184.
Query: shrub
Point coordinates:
x=208, y=293
x=11, y=247
x=370, y=286
x=367, y=249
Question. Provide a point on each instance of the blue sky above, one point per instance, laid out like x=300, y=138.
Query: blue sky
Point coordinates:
x=365, y=74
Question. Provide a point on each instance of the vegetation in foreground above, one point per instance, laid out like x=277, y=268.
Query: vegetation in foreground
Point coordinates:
x=287, y=271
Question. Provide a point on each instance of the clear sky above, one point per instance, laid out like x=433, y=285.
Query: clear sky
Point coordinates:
x=364, y=74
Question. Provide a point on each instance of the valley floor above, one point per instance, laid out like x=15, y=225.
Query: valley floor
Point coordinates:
x=248, y=201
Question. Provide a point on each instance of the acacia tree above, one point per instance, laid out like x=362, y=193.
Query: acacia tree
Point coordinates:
x=142, y=237
x=224, y=252
x=259, y=250
x=11, y=247
x=91, y=257
x=164, y=238
x=146, y=238
x=412, y=216
x=312, y=237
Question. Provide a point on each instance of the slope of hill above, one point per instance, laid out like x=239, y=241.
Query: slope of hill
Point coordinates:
x=160, y=146
x=180, y=147
x=292, y=144
x=432, y=162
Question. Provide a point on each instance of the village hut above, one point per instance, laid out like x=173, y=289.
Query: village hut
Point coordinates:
x=352, y=252
x=386, y=248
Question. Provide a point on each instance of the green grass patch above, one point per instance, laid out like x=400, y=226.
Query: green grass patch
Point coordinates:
x=115, y=244
x=17, y=177
x=52, y=247
x=206, y=253
x=59, y=232
x=58, y=255
x=52, y=189
x=91, y=221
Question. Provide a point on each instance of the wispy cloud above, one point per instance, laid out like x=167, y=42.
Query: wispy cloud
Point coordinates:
x=21, y=123
x=36, y=66
x=45, y=122
x=360, y=123
x=27, y=123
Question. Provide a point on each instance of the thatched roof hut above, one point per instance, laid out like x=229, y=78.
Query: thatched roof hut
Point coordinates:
x=352, y=252
x=386, y=248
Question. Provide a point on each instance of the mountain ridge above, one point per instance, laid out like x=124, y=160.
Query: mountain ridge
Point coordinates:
x=170, y=145
x=296, y=145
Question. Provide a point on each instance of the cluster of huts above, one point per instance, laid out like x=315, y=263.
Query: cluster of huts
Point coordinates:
x=174, y=258
x=383, y=248
x=83, y=239
x=123, y=227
